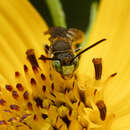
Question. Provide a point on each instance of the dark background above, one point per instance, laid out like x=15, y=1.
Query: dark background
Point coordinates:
x=77, y=12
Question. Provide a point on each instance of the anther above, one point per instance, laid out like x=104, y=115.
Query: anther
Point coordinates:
x=25, y=69
x=39, y=102
x=17, y=74
x=57, y=118
x=7, y=111
x=46, y=48
x=14, y=107
x=24, y=117
x=9, y=87
x=73, y=100
x=33, y=81
x=113, y=75
x=19, y=87
x=32, y=58
x=95, y=91
x=60, y=127
x=27, y=125
x=12, y=119
x=2, y=102
x=52, y=86
x=35, y=68
x=3, y=122
x=44, y=116
x=15, y=94
x=26, y=95
x=66, y=90
x=29, y=104
x=102, y=108
x=50, y=76
x=79, y=103
x=17, y=126
x=43, y=88
x=73, y=84
x=43, y=77
x=70, y=112
x=82, y=96
x=53, y=94
x=35, y=117
x=98, y=68
x=75, y=76
x=66, y=120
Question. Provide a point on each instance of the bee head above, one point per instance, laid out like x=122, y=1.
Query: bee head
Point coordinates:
x=66, y=70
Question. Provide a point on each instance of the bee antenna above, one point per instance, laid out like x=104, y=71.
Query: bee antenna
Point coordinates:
x=86, y=49
x=42, y=57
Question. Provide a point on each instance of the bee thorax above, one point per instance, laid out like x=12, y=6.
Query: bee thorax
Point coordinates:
x=64, y=57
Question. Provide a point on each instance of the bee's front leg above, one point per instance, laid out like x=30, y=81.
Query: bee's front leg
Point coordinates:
x=77, y=49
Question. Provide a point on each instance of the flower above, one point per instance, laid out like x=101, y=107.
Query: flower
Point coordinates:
x=33, y=97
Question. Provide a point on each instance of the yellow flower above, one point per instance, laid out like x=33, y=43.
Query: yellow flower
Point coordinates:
x=31, y=99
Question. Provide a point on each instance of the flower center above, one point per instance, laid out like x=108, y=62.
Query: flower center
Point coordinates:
x=42, y=97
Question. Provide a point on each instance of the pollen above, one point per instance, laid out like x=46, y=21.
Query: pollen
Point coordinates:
x=63, y=104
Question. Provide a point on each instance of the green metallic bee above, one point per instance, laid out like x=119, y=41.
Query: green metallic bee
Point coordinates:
x=64, y=56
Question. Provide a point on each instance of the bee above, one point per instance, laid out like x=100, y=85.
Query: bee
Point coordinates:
x=62, y=53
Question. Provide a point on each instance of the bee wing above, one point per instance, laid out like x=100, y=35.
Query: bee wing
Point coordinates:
x=72, y=34
x=57, y=32
x=75, y=35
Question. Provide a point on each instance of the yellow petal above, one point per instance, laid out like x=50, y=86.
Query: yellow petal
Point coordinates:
x=113, y=24
x=21, y=28
x=122, y=123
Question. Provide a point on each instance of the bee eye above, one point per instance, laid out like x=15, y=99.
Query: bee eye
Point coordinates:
x=57, y=66
x=76, y=63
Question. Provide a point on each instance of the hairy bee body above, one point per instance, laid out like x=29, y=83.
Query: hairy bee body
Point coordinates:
x=61, y=50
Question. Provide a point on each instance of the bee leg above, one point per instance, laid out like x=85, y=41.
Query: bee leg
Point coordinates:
x=77, y=49
x=46, y=48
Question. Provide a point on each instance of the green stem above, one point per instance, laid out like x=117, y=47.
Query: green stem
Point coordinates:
x=57, y=12
x=93, y=13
